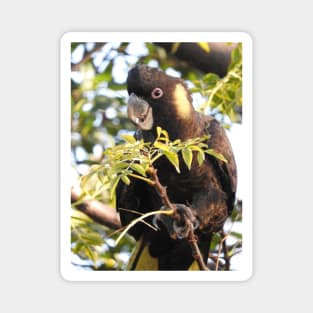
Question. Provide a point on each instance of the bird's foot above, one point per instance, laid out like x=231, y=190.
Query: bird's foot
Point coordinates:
x=179, y=224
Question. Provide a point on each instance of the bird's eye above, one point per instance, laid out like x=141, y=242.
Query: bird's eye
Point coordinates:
x=156, y=93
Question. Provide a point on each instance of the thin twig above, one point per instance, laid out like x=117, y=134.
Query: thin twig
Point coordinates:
x=196, y=253
x=139, y=219
x=161, y=189
x=225, y=252
x=220, y=251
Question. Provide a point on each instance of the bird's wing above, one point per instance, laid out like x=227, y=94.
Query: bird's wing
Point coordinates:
x=226, y=171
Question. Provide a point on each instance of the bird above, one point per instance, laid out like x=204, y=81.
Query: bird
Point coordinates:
x=205, y=193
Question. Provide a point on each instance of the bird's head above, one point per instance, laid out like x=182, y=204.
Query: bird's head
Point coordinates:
x=157, y=99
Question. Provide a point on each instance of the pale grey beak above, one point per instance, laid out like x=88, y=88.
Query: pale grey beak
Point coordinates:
x=140, y=112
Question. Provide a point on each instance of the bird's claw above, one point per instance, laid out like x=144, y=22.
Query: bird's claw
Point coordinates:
x=161, y=221
x=179, y=224
x=155, y=220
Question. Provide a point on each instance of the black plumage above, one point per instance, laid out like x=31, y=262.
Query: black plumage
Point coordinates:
x=157, y=99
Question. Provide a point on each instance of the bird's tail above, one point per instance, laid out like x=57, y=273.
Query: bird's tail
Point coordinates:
x=142, y=260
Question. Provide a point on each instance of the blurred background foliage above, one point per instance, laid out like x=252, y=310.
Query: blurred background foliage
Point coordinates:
x=99, y=120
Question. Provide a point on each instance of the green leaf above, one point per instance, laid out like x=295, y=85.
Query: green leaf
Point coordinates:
x=200, y=157
x=102, y=177
x=176, y=142
x=187, y=156
x=92, y=238
x=165, y=134
x=211, y=79
x=236, y=54
x=118, y=167
x=232, y=115
x=125, y=179
x=128, y=138
x=113, y=186
x=195, y=148
x=216, y=154
x=215, y=241
x=90, y=254
x=195, y=89
x=139, y=169
x=236, y=235
x=173, y=158
x=159, y=131
x=77, y=247
x=236, y=57
x=160, y=145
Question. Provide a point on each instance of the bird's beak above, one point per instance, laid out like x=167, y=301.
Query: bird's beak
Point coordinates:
x=140, y=112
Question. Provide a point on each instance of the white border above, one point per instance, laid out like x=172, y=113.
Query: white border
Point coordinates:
x=67, y=271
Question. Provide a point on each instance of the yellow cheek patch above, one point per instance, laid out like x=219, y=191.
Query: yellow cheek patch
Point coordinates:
x=181, y=101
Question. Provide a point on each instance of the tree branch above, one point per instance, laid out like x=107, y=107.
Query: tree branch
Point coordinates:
x=215, y=61
x=99, y=212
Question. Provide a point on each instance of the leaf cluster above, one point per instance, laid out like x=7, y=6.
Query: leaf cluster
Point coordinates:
x=133, y=158
x=223, y=96
x=93, y=244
